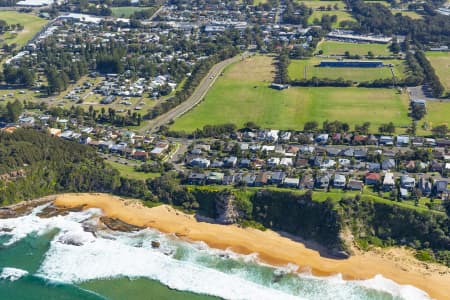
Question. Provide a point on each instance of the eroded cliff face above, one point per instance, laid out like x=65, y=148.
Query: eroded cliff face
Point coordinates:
x=226, y=208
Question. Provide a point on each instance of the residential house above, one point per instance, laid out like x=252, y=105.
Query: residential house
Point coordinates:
x=307, y=182
x=355, y=185
x=372, y=178
x=292, y=149
x=407, y=182
x=285, y=136
x=249, y=180
x=360, y=139
x=228, y=179
x=339, y=181
x=349, y=152
x=373, y=167
x=333, y=151
x=140, y=155
x=360, y=154
x=388, y=164
x=230, y=162
x=245, y=163
x=196, y=178
x=257, y=163
x=336, y=138
x=344, y=162
x=425, y=186
x=443, y=143
x=261, y=179
x=404, y=193
x=417, y=141
x=440, y=187
x=322, y=138
x=217, y=164
x=157, y=151
x=436, y=166
x=272, y=136
x=347, y=138
x=402, y=140
x=244, y=146
x=322, y=182
x=291, y=182
x=430, y=142
x=372, y=140
x=273, y=161
x=286, y=161
x=328, y=163
x=277, y=178
x=301, y=163
x=215, y=178
x=386, y=140
x=388, y=182
x=54, y=131
x=200, y=162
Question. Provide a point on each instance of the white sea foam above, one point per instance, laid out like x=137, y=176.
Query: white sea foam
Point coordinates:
x=76, y=256
x=12, y=274
x=381, y=283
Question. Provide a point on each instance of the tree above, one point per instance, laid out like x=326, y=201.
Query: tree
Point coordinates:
x=387, y=128
x=311, y=126
x=418, y=112
x=440, y=131
x=13, y=110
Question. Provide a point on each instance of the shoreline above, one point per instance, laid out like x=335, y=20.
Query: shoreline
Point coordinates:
x=397, y=264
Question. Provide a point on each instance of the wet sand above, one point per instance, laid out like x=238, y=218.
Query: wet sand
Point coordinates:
x=397, y=264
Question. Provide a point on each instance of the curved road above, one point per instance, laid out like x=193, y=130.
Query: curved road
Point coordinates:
x=195, y=98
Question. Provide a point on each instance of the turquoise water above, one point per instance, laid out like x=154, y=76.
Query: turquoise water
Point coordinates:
x=39, y=260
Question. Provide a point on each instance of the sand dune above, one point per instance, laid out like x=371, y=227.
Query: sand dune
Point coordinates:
x=395, y=263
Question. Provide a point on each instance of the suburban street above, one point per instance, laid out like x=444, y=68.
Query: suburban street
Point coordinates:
x=196, y=97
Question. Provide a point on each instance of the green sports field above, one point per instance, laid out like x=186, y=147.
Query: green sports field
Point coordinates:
x=339, y=48
x=126, y=11
x=297, y=71
x=314, y=4
x=242, y=94
x=32, y=24
x=341, y=16
x=441, y=64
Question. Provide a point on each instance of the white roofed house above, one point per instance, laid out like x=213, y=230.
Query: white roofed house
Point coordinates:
x=407, y=182
x=388, y=181
x=291, y=182
x=273, y=161
x=272, y=135
x=402, y=140
x=286, y=161
x=200, y=162
x=339, y=181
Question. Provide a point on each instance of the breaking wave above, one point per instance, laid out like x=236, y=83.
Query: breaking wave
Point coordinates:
x=77, y=256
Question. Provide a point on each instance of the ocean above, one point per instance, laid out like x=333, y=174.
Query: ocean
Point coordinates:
x=55, y=258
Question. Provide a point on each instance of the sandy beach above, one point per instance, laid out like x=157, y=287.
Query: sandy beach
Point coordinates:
x=395, y=263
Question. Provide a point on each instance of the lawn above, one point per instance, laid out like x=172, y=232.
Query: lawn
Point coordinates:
x=341, y=16
x=323, y=4
x=441, y=64
x=126, y=11
x=32, y=24
x=243, y=95
x=339, y=48
x=297, y=71
x=379, y=2
x=129, y=172
x=412, y=14
x=437, y=114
